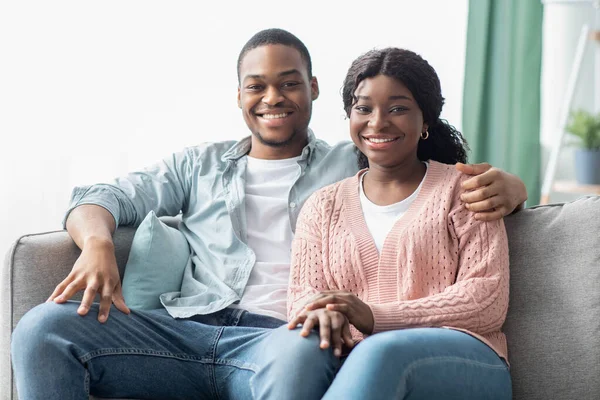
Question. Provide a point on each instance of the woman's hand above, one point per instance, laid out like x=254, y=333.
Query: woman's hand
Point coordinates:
x=491, y=193
x=334, y=328
x=357, y=311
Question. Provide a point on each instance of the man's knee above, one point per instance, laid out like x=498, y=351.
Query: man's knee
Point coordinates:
x=42, y=323
x=290, y=347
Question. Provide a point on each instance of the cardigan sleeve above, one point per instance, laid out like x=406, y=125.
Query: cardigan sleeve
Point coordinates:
x=307, y=270
x=477, y=301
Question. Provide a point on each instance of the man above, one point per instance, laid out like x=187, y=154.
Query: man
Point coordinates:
x=239, y=204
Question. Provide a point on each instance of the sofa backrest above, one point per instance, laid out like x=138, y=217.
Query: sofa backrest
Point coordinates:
x=553, y=322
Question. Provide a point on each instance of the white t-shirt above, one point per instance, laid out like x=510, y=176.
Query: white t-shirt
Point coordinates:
x=269, y=234
x=381, y=219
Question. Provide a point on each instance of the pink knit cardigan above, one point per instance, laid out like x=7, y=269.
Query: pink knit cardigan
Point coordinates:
x=438, y=267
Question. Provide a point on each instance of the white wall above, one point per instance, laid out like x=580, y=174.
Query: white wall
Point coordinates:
x=90, y=90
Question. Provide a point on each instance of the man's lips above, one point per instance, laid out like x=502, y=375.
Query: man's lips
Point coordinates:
x=274, y=118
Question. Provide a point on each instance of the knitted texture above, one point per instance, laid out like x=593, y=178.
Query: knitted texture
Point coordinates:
x=438, y=267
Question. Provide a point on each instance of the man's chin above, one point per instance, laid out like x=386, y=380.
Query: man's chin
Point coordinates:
x=275, y=140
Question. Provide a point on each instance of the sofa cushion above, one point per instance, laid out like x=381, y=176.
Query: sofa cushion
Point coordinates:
x=553, y=322
x=158, y=257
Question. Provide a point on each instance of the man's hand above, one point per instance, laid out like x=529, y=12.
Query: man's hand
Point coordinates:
x=334, y=328
x=357, y=311
x=95, y=271
x=491, y=193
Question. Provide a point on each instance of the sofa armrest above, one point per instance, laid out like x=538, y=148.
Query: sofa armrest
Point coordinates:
x=33, y=267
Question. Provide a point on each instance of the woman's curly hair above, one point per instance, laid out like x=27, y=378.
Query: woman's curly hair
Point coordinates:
x=444, y=144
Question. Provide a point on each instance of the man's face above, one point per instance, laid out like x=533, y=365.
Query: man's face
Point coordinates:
x=276, y=95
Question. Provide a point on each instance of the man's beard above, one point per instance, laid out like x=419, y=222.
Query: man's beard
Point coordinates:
x=272, y=143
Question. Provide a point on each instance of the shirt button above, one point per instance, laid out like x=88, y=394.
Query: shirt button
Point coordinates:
x=292, y=205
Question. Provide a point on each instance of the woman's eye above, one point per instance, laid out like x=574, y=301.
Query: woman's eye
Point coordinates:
x=361, y=109
x=398, y=109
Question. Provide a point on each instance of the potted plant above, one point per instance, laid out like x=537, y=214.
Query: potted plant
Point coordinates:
x=586, y=127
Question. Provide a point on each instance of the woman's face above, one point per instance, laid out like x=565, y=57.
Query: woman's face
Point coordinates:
x=386, y=122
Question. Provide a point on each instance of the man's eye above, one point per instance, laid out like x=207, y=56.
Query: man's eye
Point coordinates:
x=253, y=87
x=290, y=84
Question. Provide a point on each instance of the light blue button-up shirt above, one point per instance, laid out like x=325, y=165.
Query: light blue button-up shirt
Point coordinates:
x=206, y=184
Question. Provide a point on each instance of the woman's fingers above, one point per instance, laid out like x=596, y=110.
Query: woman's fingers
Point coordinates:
x=324, y=330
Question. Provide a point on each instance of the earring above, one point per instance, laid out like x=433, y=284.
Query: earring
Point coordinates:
x=425, y=135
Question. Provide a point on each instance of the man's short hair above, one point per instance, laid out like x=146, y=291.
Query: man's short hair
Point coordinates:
x=275, y=36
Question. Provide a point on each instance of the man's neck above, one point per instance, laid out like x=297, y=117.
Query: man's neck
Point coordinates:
x=266, y=152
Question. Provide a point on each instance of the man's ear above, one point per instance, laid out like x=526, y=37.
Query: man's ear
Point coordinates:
x=239, y=99
x=314, y=88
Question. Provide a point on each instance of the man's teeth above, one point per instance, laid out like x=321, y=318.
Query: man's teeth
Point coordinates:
x=275, y=116
x=374, y=140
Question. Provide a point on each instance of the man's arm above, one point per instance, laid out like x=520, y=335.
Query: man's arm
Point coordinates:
x=95, y=271
x=491, y=193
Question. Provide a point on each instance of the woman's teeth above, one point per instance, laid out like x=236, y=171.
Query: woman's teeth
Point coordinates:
x=275, y=116
x=374, y=140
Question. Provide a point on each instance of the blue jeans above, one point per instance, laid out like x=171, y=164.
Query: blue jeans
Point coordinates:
x=422, y=363
x=231, y=354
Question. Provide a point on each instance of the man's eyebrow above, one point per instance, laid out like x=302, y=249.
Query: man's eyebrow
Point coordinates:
x=289, y=72
x=284, y=73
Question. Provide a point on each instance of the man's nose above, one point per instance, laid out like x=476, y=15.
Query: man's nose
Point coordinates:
x=272, y=96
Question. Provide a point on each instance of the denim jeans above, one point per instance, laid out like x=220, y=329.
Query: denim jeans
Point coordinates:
x=230, y=354
x=422, y=363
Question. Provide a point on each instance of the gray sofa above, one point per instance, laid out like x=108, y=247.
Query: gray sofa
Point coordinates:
x=553, y=324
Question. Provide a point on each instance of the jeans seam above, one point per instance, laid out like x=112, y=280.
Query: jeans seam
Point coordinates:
x=213, y=374
x=231, y=362
x=120, y=351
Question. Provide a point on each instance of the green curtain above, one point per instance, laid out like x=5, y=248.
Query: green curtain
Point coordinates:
x=501, y=105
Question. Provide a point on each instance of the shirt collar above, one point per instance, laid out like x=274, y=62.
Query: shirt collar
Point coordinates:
x=242, y=148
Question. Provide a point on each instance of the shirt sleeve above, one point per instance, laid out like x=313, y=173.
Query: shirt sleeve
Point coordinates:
x=162, y=188
x=478, y=300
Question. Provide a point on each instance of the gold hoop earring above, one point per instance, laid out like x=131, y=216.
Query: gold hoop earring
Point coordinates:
x=425, y=135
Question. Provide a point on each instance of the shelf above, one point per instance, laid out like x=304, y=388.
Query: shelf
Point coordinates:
x=574, y=187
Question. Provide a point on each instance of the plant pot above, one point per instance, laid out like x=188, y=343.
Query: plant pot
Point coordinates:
x=587, y=166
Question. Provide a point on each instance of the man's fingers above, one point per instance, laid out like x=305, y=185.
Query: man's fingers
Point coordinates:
x=70, y=290
x=324, y=330
x=473, y=169
x=479, y=194
x=491, y=215
x=489, y=204
x=478, y=181
x=119, y=301
x=60, y=288
x=105, y=302
x=88, y=298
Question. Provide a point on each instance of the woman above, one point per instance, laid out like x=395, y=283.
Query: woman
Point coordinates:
x=392, y=259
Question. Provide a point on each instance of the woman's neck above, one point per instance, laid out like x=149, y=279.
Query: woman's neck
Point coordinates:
x=384, y=186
